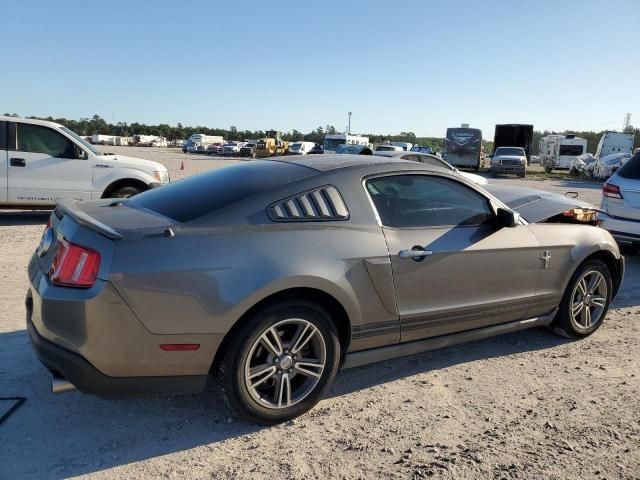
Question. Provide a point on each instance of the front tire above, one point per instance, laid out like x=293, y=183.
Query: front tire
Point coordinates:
x=280, y=363
x=125, y=192
x=586, y=300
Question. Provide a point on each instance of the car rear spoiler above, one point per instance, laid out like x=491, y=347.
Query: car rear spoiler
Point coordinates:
x=70, y=207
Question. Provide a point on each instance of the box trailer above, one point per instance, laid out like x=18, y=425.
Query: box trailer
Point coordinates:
x=514, y=135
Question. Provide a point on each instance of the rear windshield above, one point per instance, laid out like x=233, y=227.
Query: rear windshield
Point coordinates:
x=631, y=168
x=207, y=192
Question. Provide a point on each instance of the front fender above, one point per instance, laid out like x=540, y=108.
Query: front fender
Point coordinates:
x=101, y=182
x=595, y=241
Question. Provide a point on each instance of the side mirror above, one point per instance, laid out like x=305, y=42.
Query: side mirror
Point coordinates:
x=80, y=154
x=508, y=218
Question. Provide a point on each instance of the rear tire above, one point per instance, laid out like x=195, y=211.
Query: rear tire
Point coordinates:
x=269, y=379
x=586, y=300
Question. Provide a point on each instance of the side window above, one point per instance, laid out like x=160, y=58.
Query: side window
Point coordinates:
x=405, y=201
x=39, y=139
x=3, y=136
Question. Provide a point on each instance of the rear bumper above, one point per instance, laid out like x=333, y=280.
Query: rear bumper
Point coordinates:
x=624, y=231
x=83, y=375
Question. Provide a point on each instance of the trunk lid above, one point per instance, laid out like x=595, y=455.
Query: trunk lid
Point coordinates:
x=98, y=225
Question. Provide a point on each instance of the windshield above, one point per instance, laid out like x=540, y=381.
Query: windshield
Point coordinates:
x=510, y=151
x=296, y=146
x=332, y=143
x=385, y=148
x=81, y=141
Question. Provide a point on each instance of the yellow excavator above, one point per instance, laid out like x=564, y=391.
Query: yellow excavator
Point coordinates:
x=271, y=145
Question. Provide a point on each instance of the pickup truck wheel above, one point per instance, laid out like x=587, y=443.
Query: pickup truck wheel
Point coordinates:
x=280, y=363
x=586, y=300
x=125, y=192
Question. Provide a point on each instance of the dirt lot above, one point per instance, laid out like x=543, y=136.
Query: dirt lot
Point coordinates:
x=526, y=405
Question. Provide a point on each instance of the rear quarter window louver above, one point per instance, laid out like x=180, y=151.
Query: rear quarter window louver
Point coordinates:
x=317, y=205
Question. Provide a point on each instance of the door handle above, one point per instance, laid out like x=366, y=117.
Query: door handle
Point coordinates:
x=415, y=254
x=17, y=162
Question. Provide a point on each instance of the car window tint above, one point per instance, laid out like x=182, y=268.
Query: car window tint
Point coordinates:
x=201, y=194
x=406, y=201
x=39, y=139
x=631, y=168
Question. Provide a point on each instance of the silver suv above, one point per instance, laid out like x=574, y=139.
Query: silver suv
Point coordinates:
x=621, y=202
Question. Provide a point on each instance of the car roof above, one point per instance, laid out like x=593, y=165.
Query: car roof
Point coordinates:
x=34, y=121
x=330, y=162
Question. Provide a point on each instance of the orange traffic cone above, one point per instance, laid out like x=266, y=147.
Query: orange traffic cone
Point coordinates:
x=182, y=165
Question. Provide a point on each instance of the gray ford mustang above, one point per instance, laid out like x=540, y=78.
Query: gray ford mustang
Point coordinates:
x=272, y=274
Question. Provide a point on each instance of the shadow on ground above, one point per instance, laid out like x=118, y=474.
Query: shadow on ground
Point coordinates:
x=76, y=434
x=19, y=217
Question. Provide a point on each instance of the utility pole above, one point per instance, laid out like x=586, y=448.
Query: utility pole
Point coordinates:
x=349, y=127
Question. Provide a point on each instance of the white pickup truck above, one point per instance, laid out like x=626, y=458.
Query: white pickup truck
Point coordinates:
x=43, y=161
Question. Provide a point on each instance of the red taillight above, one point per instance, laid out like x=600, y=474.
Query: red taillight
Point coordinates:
x=611, y=190
x=74, y=266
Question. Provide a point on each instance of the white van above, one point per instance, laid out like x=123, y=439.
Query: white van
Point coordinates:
x=43, y=161
x=614, y=142
x=300, y=148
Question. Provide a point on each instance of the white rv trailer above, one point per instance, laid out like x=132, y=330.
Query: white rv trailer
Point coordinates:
x=614, y=142
x=558, y=151
x=99, y=139
x=333, y=140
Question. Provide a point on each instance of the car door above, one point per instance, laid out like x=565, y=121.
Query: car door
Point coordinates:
x=3, y=161
x=46, y=165
x=453, y=268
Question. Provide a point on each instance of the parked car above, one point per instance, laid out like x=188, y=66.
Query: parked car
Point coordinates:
x=388, y=147
x=432, y=160
x=317, y=149
x=300, y=148
x=41, y=161
x=127, y=297
x=354, y=149
x=422, y=149
x=248, y=150
x=507, y=160
x=213, y=148
x=232, y=149
x=620, y=203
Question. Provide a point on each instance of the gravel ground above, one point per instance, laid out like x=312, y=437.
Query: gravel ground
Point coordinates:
x=525, y=405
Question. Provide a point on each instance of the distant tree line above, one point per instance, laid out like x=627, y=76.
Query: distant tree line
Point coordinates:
x=96, y=124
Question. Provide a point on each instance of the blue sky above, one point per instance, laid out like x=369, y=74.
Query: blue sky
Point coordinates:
x=418, y=66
